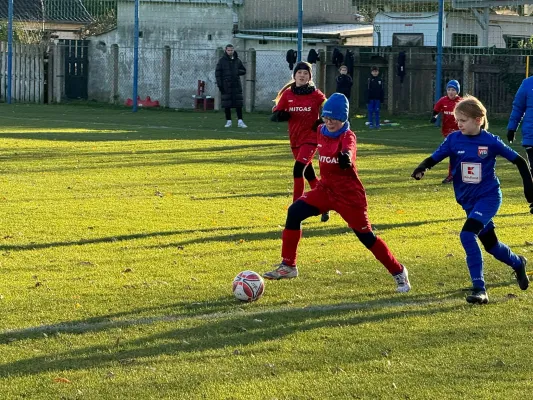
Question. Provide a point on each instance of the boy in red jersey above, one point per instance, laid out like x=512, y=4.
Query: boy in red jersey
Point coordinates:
x=446, y=105
x=299, y=103
x=339, y=189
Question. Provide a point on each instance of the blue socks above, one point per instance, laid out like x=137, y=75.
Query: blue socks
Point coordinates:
x=474, y=259
x=503, y=253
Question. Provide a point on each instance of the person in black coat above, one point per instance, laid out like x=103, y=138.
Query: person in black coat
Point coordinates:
x=344, y=82
x=228, y=72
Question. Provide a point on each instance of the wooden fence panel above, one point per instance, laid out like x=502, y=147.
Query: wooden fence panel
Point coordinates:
x=27, y=83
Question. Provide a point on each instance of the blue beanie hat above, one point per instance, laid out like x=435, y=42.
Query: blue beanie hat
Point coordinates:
x=454, y=85
x=336, y=107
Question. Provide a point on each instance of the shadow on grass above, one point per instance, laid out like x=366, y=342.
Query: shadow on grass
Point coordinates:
x=257, y=236
x=221, y=330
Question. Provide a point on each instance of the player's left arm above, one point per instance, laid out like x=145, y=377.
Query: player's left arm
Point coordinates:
x=523, y=167
x=348, y=151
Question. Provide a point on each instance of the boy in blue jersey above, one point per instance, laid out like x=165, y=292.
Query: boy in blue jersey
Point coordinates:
x=472, y=151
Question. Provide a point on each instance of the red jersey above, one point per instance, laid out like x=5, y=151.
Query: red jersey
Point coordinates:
x=446, y=107
x=344, y=184
x=304, y=110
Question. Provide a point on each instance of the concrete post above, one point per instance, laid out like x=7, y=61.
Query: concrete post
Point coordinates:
x=468, y=77
x=50, y=75
x=113, y=97
x=251, y=68
x=321, y=71
x=390, y=85
x=165, y=84
x=220, y=53
x=59, y=73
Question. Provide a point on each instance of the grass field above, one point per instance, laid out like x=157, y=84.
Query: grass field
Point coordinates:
x=121, y=234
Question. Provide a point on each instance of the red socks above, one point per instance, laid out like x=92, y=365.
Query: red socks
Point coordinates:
x=383, y=254
x=289, y=247
x=298, y=190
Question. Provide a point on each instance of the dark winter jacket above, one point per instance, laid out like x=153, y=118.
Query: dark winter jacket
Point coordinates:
x=313, y=57
x=227, y=74
x=344, y=85
x=375, y=89
x=337, y=58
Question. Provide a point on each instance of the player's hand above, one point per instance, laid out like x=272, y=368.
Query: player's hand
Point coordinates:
x=433, y=120
x=510, y=135
x=418, y=173
x=316, y=124
x=280, y=116
x=345, y=160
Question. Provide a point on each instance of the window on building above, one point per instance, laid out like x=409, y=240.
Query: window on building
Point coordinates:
x=464, y=39
x=516, y=42
x=408, y=39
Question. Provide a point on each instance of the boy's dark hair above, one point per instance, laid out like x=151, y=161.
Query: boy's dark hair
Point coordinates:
x=374, y=68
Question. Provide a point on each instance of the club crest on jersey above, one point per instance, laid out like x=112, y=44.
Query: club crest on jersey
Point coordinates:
x=482, y=151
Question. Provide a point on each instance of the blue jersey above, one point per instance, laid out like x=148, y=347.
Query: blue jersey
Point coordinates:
x=473, y=162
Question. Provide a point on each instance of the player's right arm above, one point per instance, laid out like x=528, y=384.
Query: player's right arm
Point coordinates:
x=438, y=155
x=436, y=110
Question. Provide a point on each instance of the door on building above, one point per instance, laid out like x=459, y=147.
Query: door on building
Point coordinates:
x=76, y=68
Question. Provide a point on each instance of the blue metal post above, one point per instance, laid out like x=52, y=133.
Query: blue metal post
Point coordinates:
x=136, y=56
x=300, y=28
x=438, y=80
x=9, y=49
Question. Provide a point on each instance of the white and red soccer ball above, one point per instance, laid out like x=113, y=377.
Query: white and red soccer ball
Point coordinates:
x=248, y=286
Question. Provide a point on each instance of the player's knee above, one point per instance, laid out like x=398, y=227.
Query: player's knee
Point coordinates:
x=299, y=211
x=367, y=238
x=473, y=225
x=309, y=173
x=298, y=170
x=489, y=240
x=467, y=238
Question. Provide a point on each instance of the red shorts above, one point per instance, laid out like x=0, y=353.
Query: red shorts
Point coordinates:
x=352, y=210
x=304, y=153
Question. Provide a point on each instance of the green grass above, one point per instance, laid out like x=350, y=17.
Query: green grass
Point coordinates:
x=121, y=234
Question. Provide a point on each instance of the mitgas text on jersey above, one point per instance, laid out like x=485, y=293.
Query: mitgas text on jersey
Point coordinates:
x=293, y=109
x=328, y=160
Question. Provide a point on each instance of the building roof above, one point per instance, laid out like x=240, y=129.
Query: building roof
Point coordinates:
x=46, y=10
x=322, y=30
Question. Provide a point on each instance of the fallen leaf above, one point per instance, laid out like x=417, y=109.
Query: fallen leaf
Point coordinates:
x=449, y=255
x=338, y=272
x=236, y=352
x=511, y=296
x=62, y=380
x=125, y=271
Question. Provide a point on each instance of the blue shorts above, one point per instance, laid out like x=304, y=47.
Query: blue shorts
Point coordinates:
x=484, y=210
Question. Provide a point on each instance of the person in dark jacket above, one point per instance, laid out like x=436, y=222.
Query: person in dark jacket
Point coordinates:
x=228, y=72
x=375, y=95
x=344, y=82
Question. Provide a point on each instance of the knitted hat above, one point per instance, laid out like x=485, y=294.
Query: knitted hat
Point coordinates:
x=454, y=85
x=336, y=107
x=303, y=65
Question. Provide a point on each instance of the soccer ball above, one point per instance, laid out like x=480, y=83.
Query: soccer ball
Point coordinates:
x=248, y=286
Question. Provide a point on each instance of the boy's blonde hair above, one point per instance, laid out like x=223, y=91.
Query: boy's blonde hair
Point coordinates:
x=473, y=108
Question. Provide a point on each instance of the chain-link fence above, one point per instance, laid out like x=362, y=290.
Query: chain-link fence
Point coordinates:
x=486, y=48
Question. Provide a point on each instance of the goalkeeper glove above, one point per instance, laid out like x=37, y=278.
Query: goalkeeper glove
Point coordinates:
x=418, y=173
x=510, y=135
x=433, y=120
x=316, y=124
